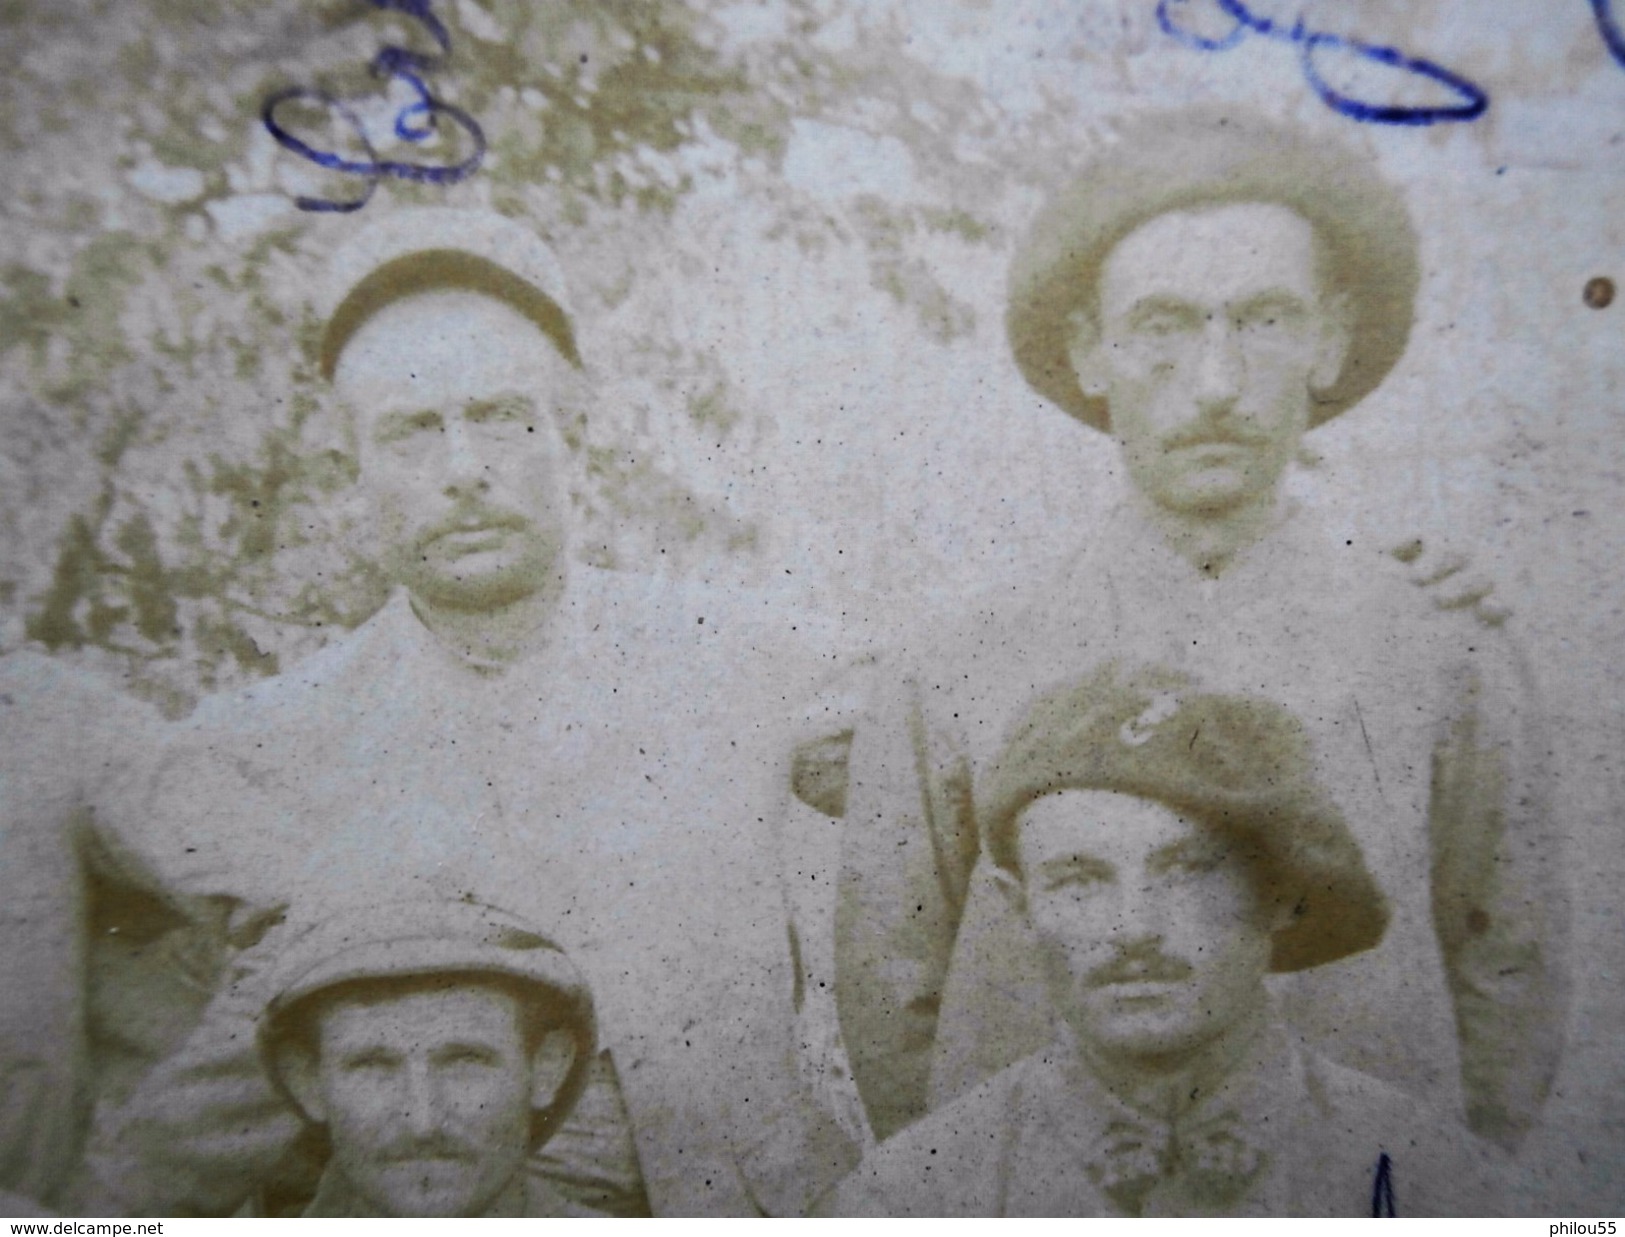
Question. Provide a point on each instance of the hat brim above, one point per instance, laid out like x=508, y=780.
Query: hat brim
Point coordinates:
x=1192, y=160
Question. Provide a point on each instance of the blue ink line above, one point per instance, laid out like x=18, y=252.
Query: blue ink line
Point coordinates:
x=1309, y=42
x=416, y=122
x=1608, y=26
x=1382, y=1189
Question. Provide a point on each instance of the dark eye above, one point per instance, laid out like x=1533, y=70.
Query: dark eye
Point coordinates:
x=1270, y=316
x=468, y=1055
x=375, y=1059
x=1078, y=878
x=508, y=411
x=1192, y=859
x=1160, y=325
x=409, y=426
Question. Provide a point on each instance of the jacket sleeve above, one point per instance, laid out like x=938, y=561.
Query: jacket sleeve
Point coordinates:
x=202, y=1131
x=907, y=849
x=69, y=745
x=1501, y=909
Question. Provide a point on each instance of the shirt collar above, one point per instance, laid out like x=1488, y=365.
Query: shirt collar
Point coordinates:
x=1124, y=1150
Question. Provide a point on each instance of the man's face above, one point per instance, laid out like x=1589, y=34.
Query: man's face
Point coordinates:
x=427, y=1097
x=453, y=395
x=1154, y=940
x=1212, y=331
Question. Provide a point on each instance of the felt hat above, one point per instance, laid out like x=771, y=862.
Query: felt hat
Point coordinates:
x=1237, y=764
x=1164, y=162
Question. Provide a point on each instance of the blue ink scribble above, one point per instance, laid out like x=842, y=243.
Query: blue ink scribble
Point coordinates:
x=1382, y=1189
x=416, y=122
x=1312, y=42
x=1608, y=26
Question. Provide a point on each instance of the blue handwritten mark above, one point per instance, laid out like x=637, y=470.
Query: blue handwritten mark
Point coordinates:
x=416, y=122
x=1608, y=26
x=1382, y=1189
x=1310, y=43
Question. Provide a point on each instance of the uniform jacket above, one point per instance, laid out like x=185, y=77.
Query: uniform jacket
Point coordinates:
x=1424, y=729
x=1285, y=1134
x=103, y=971
x=615, y=788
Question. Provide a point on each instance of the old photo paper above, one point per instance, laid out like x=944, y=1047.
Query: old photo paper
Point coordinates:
x=841, y=607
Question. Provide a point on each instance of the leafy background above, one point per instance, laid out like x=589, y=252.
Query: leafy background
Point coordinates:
x=786, y=227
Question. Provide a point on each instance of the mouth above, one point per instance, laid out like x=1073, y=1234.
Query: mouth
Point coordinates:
x=1214, y=450
x=1143, y=979
x=473, y=540
x=1139, y=991
x=474, y=534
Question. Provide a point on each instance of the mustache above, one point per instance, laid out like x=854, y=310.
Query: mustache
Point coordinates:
x=472, y=517
x=1221, y=434
x=1149, y=966
x=429, y=1147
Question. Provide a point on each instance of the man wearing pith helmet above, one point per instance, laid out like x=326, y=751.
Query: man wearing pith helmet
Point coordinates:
x=522, y=728
x=1169, y=848
x=1205, y=291
x=435, y=1047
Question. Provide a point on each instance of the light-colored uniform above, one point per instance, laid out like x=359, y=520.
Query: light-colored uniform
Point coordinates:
x=615, y=788
x=1423, y=729
x=103, y=972
x=1284, y=1134
x=335, y=1200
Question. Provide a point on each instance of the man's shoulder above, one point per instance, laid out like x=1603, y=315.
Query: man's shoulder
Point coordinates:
x=356, y=657
x=1436, y=1166
x=948, y=1162
x=70, y=724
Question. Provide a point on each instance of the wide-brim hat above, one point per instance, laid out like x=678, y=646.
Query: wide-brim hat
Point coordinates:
x=423, y=249
x=1164, y=162
x=409, y=940
x=1235, y=763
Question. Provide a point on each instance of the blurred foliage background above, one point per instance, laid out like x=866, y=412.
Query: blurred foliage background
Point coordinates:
x=786, y=226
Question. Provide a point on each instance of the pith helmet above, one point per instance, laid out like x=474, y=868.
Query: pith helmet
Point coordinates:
x=420, y=939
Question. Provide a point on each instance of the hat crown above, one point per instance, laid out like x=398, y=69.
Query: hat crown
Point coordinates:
x=425, y=249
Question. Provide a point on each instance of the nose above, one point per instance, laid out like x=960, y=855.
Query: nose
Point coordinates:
x=1220, y=367
x=464, y=468
x=420, y=1107
x=1139, y=915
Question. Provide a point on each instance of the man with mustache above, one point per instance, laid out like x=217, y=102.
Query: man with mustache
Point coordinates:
x=434, y=1048
x=517, y=727
x=1168, y=849
x=1208, y=289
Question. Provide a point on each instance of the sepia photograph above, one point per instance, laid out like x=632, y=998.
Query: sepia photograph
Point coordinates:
x=843, y=608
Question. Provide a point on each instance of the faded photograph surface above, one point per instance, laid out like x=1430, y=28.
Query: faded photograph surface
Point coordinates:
x=845, y=607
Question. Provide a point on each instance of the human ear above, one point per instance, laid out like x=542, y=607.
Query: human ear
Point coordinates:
x=300, y=1074
x=550, y=1065
x=1332, y=345
x=1083, y=351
